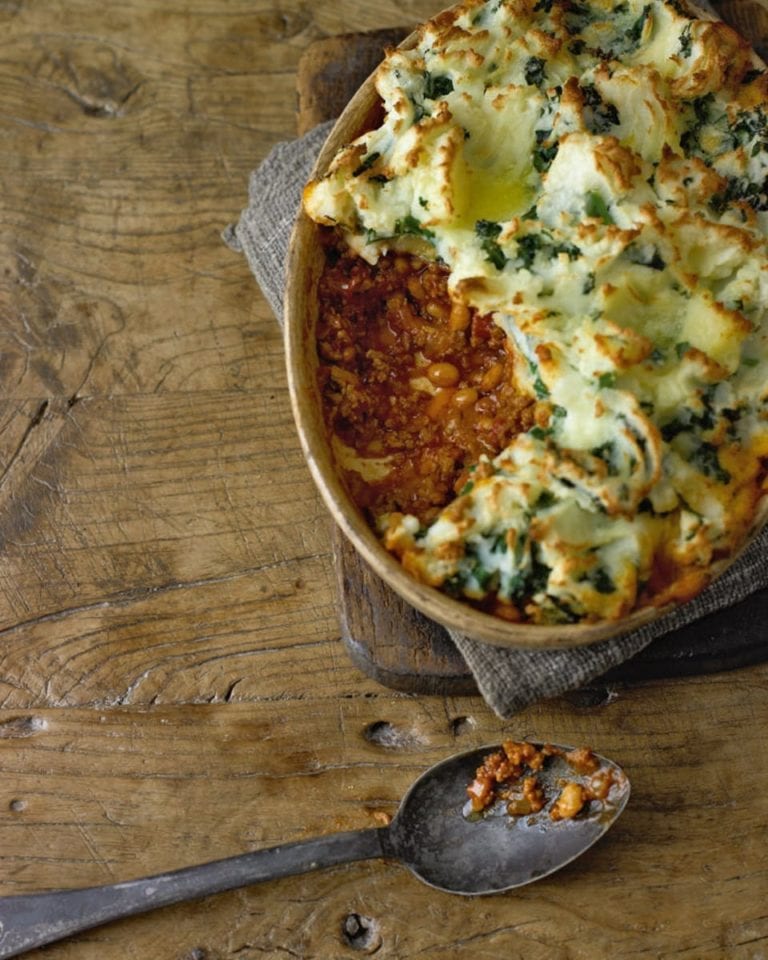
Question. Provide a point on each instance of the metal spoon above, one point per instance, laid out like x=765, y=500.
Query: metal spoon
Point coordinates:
x=431, y=834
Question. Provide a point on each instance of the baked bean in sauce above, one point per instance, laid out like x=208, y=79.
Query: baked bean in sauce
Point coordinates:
x=510, y=774
x=409, y=374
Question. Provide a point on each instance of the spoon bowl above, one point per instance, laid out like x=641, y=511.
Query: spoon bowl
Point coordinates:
x=435, y=833
x=438, y=839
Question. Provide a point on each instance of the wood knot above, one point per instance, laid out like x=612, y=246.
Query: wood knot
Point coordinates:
x=278, y=25
x=93, y=75
x=361, y=933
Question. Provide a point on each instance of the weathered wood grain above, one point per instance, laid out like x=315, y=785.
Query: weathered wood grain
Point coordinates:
x=171, y=786
x=172, y=685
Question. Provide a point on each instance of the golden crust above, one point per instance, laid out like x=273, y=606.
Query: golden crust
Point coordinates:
x=724, y=59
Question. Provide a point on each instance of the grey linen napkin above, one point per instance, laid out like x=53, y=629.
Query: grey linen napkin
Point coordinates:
x=509, y=680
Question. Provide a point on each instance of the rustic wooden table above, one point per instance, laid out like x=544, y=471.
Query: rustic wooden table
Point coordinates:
x=172, y=684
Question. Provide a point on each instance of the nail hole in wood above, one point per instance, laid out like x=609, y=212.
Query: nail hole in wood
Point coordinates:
x=461, y=725
x=22, y=727
x=361, y=933
x=17, y=806
x=385, y=734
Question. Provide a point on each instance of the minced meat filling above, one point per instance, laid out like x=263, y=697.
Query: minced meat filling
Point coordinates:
x=512, y=774
x=408, y=375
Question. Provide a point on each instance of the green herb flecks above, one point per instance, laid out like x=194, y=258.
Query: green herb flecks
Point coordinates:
x=635, y=32
x=679, y=7
x=531, y=245
x=645, y=257
x=608, y=453
x=558, y=611
x=406, y=226
x=599, y=116
x=488, y=231
x=601, y=580
x=539, y=387
x=532, y=580
x=687, y=420
x=740, y=189
x=700, y=107
x=366, y=163
x=706, y=459
x=686, y=40
x=436, y=86
x=577, y=17
x=543, y=154
x=595, y=206
x=750, y=125
x=409, y=225
x=534, y=71
x=545, y=499
x=500, y=544
x=482, y=575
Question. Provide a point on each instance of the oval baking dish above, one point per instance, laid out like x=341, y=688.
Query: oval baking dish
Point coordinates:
x=305, y=267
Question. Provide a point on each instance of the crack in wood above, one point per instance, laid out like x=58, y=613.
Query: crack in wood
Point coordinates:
x=227, y=698
x=136, y=594
x=35, y=421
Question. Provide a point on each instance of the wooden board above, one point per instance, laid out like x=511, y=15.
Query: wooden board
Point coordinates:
x=93, y=796
x=385, y=637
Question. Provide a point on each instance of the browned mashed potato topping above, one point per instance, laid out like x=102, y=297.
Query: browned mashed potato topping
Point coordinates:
x=543, y=328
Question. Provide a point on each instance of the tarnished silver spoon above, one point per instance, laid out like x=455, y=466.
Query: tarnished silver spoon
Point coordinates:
x=433, y=834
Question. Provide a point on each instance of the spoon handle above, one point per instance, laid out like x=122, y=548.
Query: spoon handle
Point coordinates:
x=28, y=921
